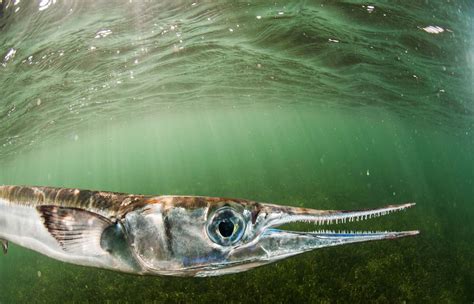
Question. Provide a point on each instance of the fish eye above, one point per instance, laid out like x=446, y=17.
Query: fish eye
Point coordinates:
x=226, y=227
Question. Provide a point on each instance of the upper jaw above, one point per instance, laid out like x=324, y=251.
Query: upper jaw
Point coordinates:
x=278, y=215
x=274, y=244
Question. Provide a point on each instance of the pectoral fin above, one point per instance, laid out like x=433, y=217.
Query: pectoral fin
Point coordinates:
x=4, y=246
x=77, y=231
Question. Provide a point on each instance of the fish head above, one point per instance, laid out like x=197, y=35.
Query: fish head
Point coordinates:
x=206, y=236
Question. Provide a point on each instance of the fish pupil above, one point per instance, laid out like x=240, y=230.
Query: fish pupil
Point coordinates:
x=226, y=228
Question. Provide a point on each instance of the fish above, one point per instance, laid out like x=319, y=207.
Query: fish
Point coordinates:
x=195, y=236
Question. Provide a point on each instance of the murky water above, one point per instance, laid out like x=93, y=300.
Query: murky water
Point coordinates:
x=328, y=105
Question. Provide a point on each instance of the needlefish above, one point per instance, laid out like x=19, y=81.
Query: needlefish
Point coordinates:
x=168, y=235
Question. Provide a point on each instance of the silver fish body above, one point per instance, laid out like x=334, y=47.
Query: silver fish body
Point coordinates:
x=167, y=235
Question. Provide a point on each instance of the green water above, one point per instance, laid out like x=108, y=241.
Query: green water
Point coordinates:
x=328, y=105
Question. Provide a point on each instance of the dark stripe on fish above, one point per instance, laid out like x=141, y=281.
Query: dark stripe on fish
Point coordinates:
x=168, y=234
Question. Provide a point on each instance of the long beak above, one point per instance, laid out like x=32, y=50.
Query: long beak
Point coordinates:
x=275, y=244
